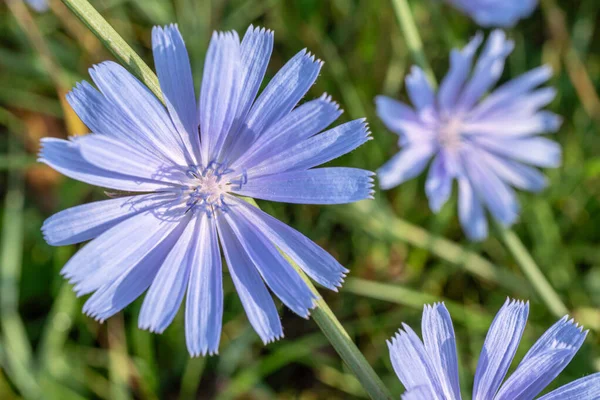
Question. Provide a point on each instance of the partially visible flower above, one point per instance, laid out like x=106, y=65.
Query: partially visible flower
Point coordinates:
x=485, y=143
x=38, y=5
x=500, y=13
x=178, y=170
x=428, y=369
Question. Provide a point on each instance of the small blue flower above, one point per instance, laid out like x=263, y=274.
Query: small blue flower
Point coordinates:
x=178, y=170
x=38, y=5
x=429, y=369
x=485, y=143
x=500, y=13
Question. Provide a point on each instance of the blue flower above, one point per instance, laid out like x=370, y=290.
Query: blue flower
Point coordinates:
x=38, y=5
x=483, y=143
x=177, y=170
x=500, y=13
x=429, y=369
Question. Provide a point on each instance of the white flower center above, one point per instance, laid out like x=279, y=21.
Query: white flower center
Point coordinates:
x=449, y=134
x=208, y=186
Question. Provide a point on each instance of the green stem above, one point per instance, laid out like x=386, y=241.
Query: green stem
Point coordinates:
x=322, y=314
x=114, y=43
x=532, y=271
x=411, y=34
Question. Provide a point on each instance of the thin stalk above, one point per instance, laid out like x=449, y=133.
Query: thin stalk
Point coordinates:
x=322, y=314
x=411, y=35
x=532, y=271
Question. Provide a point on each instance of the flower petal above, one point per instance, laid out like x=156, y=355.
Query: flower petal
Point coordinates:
x=204, y=304
x=255, y=297
x=537, y=151
x=112, y=155
x=488, y=69
x=470, y=211
x=586, y=388
x=411, y=362
x=518, y=126
x=402, y=120
x=515, y=173
x=168, y=287
x=303, y=122
x=499, y=348
x=316, y=150
x=82, y=223
x=220, y=93
x=420, y=91
x=141, y=107
x=172, y=65
x=316, y=262
x=440, y=345
x=133, y=280
x=406, y=164
x=278, y=274
x=419, y=393
x=105, y=258
x=439, y=181
x=65, y=157
x=315, y=186
x=280, y=96
x=461, y=62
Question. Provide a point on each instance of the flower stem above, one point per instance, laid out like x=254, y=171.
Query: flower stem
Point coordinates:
x=532, y=271
x=322, y=314
x=413, y=40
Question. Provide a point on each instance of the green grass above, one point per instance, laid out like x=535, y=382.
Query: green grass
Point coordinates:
x=49, y=349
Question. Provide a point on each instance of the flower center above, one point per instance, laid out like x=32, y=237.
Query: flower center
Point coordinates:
x=449, y=135
x=208, y=186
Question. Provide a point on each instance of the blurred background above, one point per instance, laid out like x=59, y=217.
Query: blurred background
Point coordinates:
x=49, y=349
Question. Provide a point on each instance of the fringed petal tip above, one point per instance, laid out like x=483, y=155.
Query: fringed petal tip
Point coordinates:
x=203, y=352
x=326, y=97
x=258, y=30
x=273, y=338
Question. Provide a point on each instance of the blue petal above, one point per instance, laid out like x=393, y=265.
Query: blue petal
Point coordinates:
x=168, y=287
x=172, y=65
x=402, y=120
x=316, y=150
x=105, y=258
x=315, y=186
x=544, y=361
x=406, y=164
x=112, y=155
x=278, y=274
x=461, y=62
x=439, y=181
x=38, y=5
x=316, y=262
x=470, y=211
x=204, y=304
x=102, y=116
x=81, y=223
x=587, y=388
x=515, y=173
x=535, y=374
x=255, y=53
x=64, y=156
x=135, y=100
x=537, y=151
x=488, y=69
x=420, y=90
x=419, y=393
x=498, y=197
x=440, y=345
x=119, y=292
x=220, y=93
x=499, y=348
x=412, y=364
x=280, y=96
x=498, y=127
x=303, y=122
x=255, y=297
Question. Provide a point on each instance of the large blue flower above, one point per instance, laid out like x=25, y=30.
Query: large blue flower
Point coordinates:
x=429, y=369
x=177, y=171
x=485, y=144
x=501, y=13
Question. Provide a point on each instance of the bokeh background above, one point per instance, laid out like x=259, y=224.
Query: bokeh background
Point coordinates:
x=49, y=349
